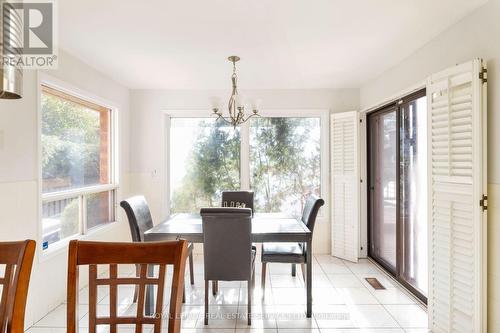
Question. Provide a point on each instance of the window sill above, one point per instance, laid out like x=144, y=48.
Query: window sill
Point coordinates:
x=72, y=193
x=62, y=246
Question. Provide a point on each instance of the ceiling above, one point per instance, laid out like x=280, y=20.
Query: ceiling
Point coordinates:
x=285, y=44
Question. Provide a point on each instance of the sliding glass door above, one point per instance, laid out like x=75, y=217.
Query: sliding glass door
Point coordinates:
x=413, y=192
x=383, y=183
x=397, y=158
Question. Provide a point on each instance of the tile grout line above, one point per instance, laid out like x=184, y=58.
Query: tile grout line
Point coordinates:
x=240, y=302
x=385, y=309
x=398, y=285
x=321, y=267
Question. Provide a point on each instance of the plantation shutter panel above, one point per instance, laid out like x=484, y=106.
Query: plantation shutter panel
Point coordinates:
x=345, y=185
x=457, y=181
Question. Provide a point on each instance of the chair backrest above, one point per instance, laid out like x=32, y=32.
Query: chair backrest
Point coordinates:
x=227, y=244
x=16, y=259
x=310, y=212
x=237, y=198
x=91, y=254
x=138, y=215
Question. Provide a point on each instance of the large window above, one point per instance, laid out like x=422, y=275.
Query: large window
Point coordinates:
x=285, y=162
x=205, y=159
x=78, y=193
x=279, y=158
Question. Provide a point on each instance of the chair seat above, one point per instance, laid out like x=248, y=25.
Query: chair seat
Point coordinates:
x=282, y=252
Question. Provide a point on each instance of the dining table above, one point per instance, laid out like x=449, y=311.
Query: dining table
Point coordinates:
x=266, y=227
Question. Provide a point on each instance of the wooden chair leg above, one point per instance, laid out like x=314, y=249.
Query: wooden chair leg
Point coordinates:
x=263, y=279
x=191, y=269
x=206, y=302
x=249, y=289
x=303, y=269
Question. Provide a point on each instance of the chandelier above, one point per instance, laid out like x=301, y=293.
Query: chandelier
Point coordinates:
x=236, y=105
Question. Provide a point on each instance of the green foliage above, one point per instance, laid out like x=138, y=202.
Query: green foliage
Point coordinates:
x=69, y=220
x=285, y=164
x=213, y=165
x=70, y=143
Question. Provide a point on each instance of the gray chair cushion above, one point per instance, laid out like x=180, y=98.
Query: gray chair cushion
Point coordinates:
x=227, y=244
x=283, y=252
x=294, y=252
x=310, y=211
x=138, y=215
x=238, y=197
x=139, y=218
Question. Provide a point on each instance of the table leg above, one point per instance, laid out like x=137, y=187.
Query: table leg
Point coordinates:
x=309, y=278
x=150, y=297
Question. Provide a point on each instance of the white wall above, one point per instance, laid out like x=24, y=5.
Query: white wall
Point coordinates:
x=147, y=143
x=142, y=148
x=477, y=35
x=19, y=196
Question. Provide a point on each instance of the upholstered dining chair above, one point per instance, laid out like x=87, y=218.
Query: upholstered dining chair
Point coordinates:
x=227, y=249
x=237, y=199
x=17, y=260
x=94, y=254
x=292, y=253
x=139, y=220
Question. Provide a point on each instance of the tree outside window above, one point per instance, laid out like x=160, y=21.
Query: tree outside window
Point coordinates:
x=205, y=160
x=75, y=142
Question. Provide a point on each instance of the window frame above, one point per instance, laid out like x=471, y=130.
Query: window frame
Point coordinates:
x=322, y=114
x=400, y=236
x=363, y=161
x=79, y=193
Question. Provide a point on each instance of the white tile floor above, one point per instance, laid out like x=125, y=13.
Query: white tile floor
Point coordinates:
x=342, y=302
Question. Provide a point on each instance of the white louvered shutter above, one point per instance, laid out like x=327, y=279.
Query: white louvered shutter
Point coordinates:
x=345, y=185
x=457, y=164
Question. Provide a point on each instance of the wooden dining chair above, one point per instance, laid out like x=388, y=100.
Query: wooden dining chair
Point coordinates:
x=17, y=260
x=292, y=253
x=91, y=254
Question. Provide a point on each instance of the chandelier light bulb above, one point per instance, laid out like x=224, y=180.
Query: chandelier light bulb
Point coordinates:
x=215, y=103
x=256, y=104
